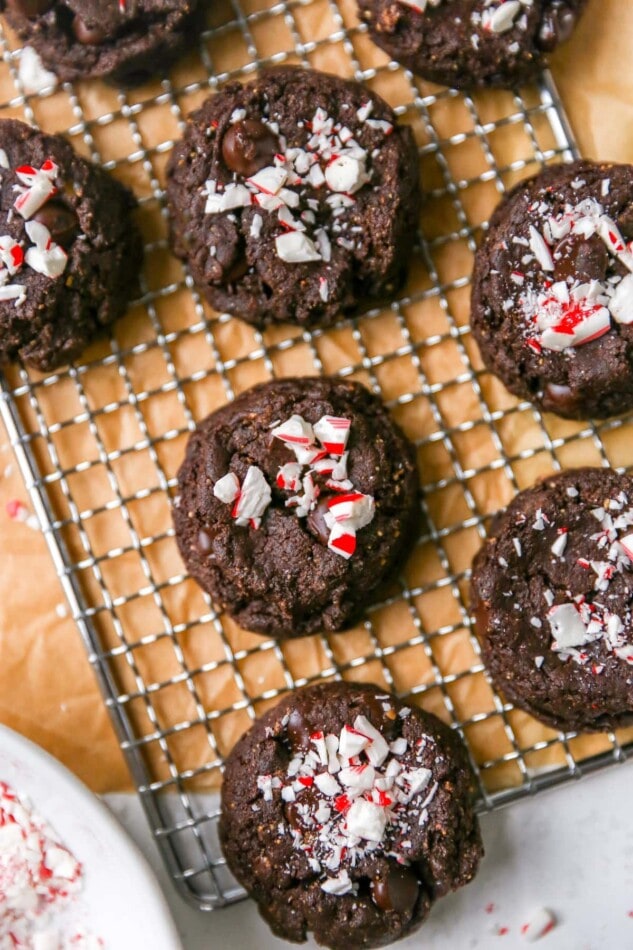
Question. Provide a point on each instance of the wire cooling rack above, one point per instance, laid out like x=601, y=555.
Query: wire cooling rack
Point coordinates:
x=100, y=442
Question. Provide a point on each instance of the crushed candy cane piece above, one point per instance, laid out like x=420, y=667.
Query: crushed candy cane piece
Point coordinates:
x=540, y=923
x=227, y=488
x=342, y=540
x=254, y=497
x=333, y=433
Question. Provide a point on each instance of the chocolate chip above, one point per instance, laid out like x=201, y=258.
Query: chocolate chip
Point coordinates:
x=558, y=398
x=298, y=730
x=248, y=146
x=399, y=893
x=204, y=542
x=581, y=258
x=30, y=8
x=557, y=27
x=61, y=221
x=316, y=522
x=87, y=35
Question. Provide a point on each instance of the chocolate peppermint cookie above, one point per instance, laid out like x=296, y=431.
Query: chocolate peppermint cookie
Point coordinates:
x=552, y=302
x=69, y=250
x=123, y=41
x=296, y=501
x=471, y=43
x=552, y=598
x=294, y=198
x=346, y=813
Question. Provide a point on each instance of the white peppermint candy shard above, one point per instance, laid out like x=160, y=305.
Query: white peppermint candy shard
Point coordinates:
x=296, y=248
x=254, y=497
x=568, y=629
x=351, y=742
x=610, y=234
x=504, y=16
x=354, y=510
x=367, y=820
x=11, y=254
x=591, y=325
x=341, y=884
x=39, y=234
x=12, y=291
x=295, y=431
x=289, y=476
x=540, y=923
x=360, y=778
x=227, y=488
x=269, y=180
x=413, y=782
x=627, y=544
x=333, y=433
x=621, y=303
x=50, y=263
x=40, y=185
x=378, y=749
x=559, y=545
x=327, y=784
x=342, y=540
x=339, y=472
x=33, y=74
x=541, y=251
x=346, y=174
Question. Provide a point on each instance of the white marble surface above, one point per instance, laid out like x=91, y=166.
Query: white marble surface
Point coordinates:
x=569, y=850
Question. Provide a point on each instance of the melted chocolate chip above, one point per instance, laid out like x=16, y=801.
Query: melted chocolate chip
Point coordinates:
x=298, y=730
x=557, y=27
x=559, y=398
x=61, y=221
x=30, y=8
x=581, y=258
x=87, y=35
x=316, y=522
x=204, y=542
x=399, y=893
x=248, y=146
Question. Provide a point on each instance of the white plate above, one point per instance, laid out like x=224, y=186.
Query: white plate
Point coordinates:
x=125, y=905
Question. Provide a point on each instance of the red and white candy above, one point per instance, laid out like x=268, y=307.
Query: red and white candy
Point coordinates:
x=295, y=431
x=45, y=257
x=333, y=433
x=342, y=540
x=39, y=186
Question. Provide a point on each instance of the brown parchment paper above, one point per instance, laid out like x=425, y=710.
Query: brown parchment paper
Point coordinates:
x=171, y=640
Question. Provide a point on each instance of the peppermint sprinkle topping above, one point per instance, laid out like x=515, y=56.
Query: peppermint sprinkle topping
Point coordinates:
x=352, y=795
x=567, y=313
x=40, y=881
x=588, y=618
x=320, y=468
x=322, y=176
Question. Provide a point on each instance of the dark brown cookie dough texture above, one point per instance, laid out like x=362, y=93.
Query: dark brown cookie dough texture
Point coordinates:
x=552, y=598
x=296, y=501
x=294, y=198
x=346, y=814
x=552, y=301
x=123, y=41
x=470, y=43
x=70, y=252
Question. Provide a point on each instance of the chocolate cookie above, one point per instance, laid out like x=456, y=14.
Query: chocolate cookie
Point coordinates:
x=471, y=43
x=346, y=813
x=69, y=250
x=123, y=41
x=296, y=501
x=294, y=198
x=552, y=598
x=552, y=302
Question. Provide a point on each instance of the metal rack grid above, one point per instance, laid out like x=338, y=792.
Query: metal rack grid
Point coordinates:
x=79, y=474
